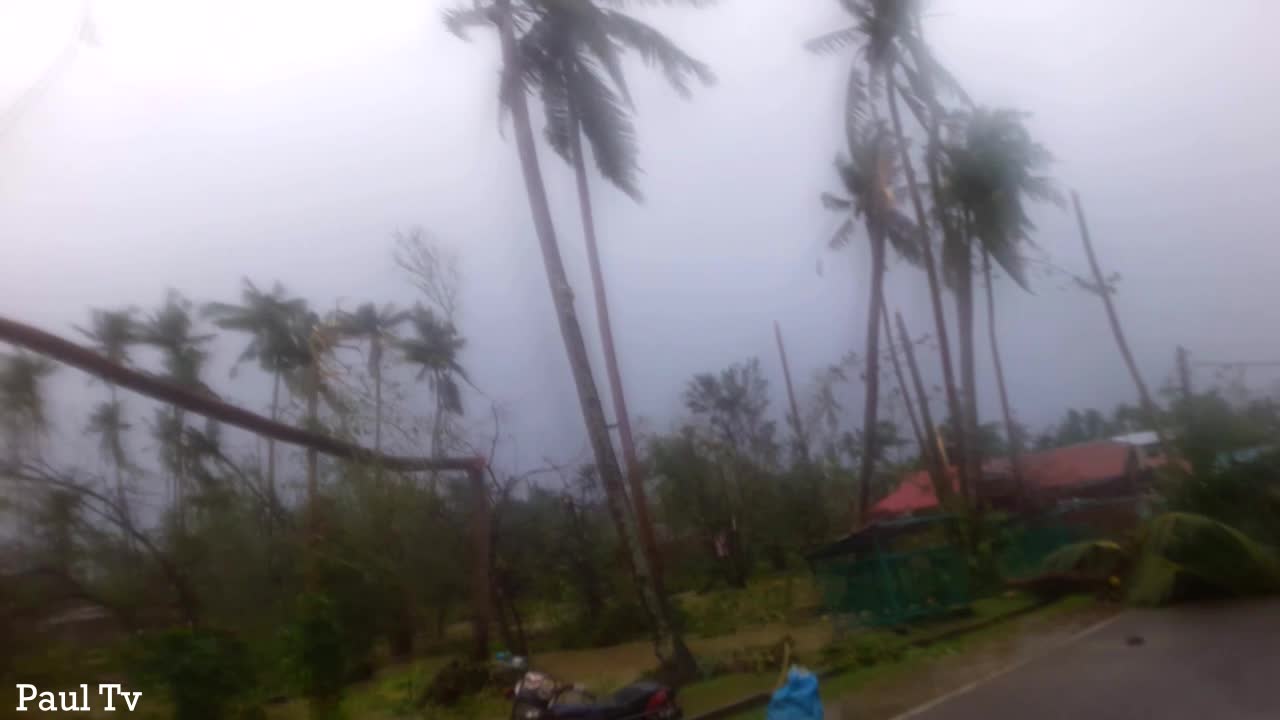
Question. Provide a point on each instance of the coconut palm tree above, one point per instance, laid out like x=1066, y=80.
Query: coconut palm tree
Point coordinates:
x=22, y=400
x=511, y=19
x=171, y=329
x=572, y=52
x=879, y=31
x=988, y=176
x=434, y=348
x=265, y=317
x=867, y=178
x=376, y=326
x=113, y=332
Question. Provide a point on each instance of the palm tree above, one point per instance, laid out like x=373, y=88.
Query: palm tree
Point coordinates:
x=22, y=400
x=572, y=52
x=377, y=326
x=112, y=333
x=509, y=20
x=434, y=349
x=867, y=177
x=879, y=30
x=265, y=316
x=987, y=176
x=171, y=329
x=883, y=29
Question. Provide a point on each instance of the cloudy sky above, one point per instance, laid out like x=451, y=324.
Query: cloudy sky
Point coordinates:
x=209, y=140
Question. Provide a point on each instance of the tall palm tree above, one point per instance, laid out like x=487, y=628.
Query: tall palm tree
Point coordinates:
x=879, y=30
x=376, y=326
x=434, y=349
x=572, y=52
x=867, y=177
x=265, y=317
x=988, y=175
x=510, y=19
x=113, y=332
x=171, y=329
x=22, y=400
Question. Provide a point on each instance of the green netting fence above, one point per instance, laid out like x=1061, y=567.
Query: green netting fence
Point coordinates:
x=885, y=586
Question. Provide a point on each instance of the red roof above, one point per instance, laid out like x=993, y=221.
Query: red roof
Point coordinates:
x=1052, y=470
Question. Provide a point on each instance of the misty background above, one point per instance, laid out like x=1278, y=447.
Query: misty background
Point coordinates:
x=203, y=142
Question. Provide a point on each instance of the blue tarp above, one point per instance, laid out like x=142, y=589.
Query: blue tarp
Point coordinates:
x=797, y=699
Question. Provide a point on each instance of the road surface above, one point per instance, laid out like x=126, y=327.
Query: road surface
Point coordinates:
x=1188, y=663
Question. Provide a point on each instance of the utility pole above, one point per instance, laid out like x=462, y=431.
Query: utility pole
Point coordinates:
x=801, y=442
x=1184, y=373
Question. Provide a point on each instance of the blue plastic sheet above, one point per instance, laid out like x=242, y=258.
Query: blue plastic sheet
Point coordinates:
x=797, y=699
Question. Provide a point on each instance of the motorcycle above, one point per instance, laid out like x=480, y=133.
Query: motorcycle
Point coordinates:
x=537, y=696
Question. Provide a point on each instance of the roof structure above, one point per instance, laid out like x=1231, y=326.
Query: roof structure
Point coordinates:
x=1051, y=471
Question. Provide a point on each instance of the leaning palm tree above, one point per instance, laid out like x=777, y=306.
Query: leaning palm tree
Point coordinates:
x=377, y=326
x=988, y=175
x=22, y=401
x=572, y=52
x=265, y=317
x=867, y=178
x=880, y=30
x=511, y=19
x=434, y=348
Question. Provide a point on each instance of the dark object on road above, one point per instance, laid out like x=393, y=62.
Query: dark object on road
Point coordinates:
x=1134, y=640
x=538, y=696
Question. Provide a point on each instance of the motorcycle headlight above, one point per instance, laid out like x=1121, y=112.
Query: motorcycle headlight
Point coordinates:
x=531, y=713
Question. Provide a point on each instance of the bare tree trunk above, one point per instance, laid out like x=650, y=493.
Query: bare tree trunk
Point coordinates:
x=668, y=645
x=631, y=459
x=271, y=443
x=902, y=386
x=1010, y=429
x=802, y=443
x=1144, y=396
x=313, y=474
x=931, y=268
x=937, y=457
x=872, y=372
x=376, y=352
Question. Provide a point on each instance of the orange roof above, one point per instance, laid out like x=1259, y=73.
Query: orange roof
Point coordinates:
x=1055, y=469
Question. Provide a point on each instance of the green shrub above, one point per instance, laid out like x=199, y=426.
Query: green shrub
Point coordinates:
x=206, y=673
x=316, y=653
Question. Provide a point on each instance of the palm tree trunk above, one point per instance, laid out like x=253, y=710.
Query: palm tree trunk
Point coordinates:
x=630, y=458
x=871, y=405
x=668, y=644
x=377, y=406
x=902, y=385
x=1015, y=442
x=931, y=270
x=967, y=424
x=1144, y=396
x=935, y=455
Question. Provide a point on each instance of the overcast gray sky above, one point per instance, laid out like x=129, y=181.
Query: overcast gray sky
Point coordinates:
x=208, y=140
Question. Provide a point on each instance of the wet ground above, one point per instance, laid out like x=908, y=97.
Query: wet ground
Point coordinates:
x=1198, y=662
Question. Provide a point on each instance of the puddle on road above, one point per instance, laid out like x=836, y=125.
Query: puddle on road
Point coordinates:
x=935, y=676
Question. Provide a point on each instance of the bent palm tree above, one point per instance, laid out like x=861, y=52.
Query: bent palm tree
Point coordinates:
x=572, y=52
x=265, y=317
x=434, y=349
x=377, y=326
x=510, y=19
x=867, y=177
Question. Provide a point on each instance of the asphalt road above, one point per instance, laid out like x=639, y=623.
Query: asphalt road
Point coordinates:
x=1201, y=663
